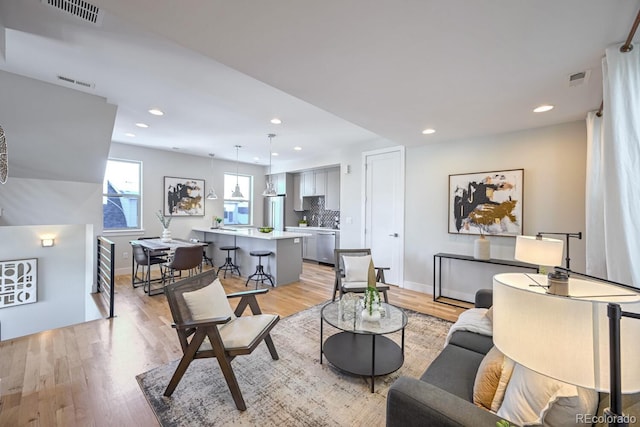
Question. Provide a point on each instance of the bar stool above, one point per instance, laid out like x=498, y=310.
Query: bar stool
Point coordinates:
x=229, y=265
x=205, y=258
x=260, y=275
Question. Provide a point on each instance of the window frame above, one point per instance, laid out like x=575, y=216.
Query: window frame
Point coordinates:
x=248, y=198
x=139, y=196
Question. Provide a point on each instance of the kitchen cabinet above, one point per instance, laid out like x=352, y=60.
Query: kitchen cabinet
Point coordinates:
x=310, y=246
x=297, y=192
x=332, y=193
x=279, y=182
x=313, y=183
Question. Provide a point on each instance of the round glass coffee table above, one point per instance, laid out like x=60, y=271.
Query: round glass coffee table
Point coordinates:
x=361, y=349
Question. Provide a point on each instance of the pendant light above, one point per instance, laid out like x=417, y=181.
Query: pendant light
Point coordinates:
x=270, y=190
x=212, y=193
x=237, y=194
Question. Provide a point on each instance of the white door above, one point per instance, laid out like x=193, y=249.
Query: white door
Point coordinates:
x=384, y=210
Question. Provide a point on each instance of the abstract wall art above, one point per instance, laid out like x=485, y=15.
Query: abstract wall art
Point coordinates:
x=183, y=196
x=18, y=282
x=486, y=203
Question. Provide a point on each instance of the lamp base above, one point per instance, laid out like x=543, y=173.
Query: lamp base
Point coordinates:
x=613, y=419
x=558, y=283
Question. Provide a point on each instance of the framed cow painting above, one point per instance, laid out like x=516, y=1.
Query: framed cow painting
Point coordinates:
x=487, y=203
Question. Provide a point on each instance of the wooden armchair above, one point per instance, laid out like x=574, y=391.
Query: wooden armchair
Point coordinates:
x=357, y=281
x=208, y=327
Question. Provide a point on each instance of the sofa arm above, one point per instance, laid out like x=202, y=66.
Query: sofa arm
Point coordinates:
x=411, y=402
x=484, y=298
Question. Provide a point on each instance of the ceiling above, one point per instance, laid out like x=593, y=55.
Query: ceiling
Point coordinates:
x=336, y=72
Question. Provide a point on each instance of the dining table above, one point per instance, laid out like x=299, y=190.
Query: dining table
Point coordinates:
x=155, y=246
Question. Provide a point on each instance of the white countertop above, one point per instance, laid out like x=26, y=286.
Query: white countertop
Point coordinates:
x=252, y=232
x=314, y=228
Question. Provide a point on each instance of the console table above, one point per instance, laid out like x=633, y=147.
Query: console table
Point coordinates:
x=437, y=272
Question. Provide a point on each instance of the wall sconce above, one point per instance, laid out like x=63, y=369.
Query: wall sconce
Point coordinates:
x=47, y=243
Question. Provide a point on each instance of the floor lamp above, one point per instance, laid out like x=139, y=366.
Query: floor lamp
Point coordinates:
x=588, y=337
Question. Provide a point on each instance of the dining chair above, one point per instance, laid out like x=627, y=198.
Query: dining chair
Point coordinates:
x=185, y=258
x=351, y=268
x=145, y=261
x=207, y=327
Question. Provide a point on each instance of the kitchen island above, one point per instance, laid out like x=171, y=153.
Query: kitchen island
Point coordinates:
x=285, y=264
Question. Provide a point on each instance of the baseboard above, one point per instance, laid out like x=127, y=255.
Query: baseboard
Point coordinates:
x=418, y=287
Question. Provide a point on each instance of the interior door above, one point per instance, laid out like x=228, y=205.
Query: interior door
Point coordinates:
x=384, y=210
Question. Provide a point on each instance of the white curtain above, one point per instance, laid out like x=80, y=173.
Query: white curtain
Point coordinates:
x=613, y=172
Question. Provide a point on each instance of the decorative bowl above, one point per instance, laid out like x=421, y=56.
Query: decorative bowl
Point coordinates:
x=265, y=229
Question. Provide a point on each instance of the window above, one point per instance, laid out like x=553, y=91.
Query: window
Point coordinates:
x=237, y=211
x=121, y=198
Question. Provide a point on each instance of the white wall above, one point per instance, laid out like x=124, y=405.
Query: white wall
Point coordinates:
x=156, y=164
x=62, y=286
x=553, y=159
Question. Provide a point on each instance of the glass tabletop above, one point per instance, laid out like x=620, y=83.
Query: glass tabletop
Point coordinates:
x=347, y=316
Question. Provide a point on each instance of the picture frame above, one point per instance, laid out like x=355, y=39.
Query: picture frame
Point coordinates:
x=18, y=282
x=486, y=203
x=183, y=196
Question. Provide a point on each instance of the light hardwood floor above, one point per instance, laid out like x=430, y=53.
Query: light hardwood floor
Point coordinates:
x=84, y=375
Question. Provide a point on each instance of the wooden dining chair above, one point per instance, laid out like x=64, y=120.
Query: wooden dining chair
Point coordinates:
x=207, y=327
x=352, y=275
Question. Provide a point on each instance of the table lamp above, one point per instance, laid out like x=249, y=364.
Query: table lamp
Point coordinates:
x=543, y=251
x=585, y=338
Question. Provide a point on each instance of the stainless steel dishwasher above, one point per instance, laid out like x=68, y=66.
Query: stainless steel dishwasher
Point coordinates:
x=326, y=243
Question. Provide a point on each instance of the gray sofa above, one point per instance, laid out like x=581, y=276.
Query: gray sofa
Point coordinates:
x=443, y=396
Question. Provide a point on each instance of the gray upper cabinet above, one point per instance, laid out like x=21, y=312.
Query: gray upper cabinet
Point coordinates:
x=280, y=182
x=313, y=183
x=332, y=193
x=297, y=192
x=321, y=182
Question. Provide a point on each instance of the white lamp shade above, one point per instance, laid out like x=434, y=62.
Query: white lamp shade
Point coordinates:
x=565, y=338
x=539, y=251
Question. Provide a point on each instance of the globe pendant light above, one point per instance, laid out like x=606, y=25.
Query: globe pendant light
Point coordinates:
x=212, y=193
x=237, y=194
x=270, y=190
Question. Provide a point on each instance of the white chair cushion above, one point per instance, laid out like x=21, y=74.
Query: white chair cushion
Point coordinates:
x=208, y=302
x=356, y=268
x=241, y=331
x=356, y=285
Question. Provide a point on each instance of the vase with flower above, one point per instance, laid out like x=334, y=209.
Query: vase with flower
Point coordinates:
x=165, y=221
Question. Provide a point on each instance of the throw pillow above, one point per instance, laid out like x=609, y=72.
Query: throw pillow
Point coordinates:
x=532, y=399
x=487, y=378
x=489, y=314
x=356, y=268
x=208, y=302
x=505, y=375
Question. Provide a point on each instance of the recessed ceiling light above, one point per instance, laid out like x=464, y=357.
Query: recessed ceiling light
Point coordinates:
x=256, y=159
x=543, y=108
x=428, y=131
x=276, y=121
x=129, y=134
x=297, y=148
x=274, y=154
x=142, y=125
x=156, y=112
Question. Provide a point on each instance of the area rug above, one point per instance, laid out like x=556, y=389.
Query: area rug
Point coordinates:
x=295, y=390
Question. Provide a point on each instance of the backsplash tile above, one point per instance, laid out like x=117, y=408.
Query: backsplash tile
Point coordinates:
x=317, y=215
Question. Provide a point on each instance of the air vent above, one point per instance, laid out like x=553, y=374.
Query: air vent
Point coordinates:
x=78, y=8
x=76, y=82
x=580, y=78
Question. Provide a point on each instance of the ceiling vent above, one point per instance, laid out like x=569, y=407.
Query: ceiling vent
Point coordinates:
x=78, y=8
x=76, y=82
x=578, y=79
